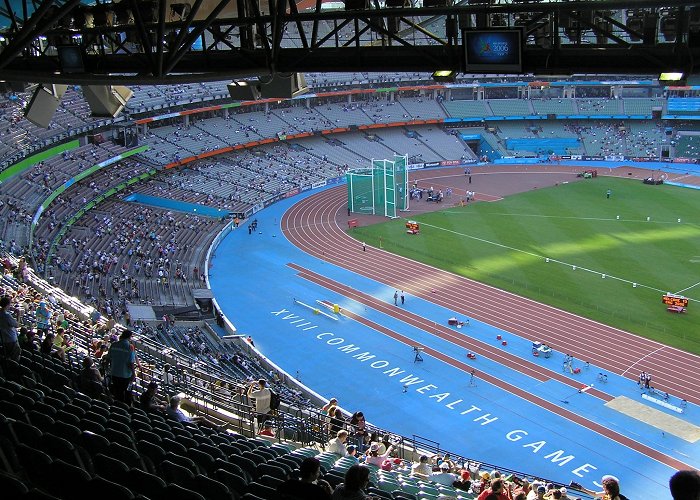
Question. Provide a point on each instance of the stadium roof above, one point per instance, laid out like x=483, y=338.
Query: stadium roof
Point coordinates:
x=165, y=41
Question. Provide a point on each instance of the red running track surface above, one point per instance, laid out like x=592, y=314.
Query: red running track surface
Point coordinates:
x=313, y=225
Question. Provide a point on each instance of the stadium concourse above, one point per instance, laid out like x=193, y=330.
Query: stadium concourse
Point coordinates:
x=519, y=411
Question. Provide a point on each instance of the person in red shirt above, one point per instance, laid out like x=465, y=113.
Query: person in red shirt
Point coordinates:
x=497, y=488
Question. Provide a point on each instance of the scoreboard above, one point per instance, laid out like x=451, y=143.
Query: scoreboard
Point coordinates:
x=674, y=300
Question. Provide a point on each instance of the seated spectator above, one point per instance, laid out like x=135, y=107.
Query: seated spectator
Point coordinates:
x=61, y=344
x=526, y=488
x=444, y=476
x=373, y=456
x=308, y=486
x=553, y=494
x=101, y=348
x=173, y=411
x=422, y=468
x=27, y=339
x=537, y=492
x=267, y=429
x=447, y=460
x=352, y=453
x=148, y=401
x=464, y=481
x=47, y=344
x=90, y=378
x=337, y=444
x=352, y=488
x=498, y=487
x=685, y=485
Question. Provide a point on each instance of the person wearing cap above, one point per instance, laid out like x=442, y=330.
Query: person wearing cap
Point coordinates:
x=444, y=477
x=308, y=486
x=43, y=315
x=373, y=457
x=122, y=361
x=422, y=468
x=537, y=492
x=484, y=480
x=446, y=459
x=267, y=429
x=352, y=453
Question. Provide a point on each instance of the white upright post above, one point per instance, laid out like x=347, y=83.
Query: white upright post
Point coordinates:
x=351, y=177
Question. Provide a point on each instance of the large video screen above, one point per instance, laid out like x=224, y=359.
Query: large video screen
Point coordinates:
x=493, y=51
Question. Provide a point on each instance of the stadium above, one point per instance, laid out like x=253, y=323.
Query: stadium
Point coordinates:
x=230, y=233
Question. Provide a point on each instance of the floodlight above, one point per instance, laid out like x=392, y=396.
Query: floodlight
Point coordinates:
x=444, y=75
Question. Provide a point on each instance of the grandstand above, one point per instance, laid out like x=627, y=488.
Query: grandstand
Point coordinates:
x=510, y=107
x=119, y=253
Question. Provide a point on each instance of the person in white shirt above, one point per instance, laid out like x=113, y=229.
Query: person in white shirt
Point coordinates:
x=261, y=393
x=443, y=477
x=337, y=444
x=422, y=469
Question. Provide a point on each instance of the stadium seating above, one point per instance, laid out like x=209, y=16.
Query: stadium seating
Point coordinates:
x=46, y=423
x=688, y=146
x=594, y=107
x=553, y=106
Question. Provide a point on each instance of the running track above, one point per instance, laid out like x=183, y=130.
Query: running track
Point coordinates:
x=312, y=225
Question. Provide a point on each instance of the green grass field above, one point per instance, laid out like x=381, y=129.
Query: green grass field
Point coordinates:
x=505, y=243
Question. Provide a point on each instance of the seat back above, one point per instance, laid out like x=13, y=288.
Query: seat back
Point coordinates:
x=234, y=482
x=211, y=488
x=109, y=468
x=204, y=461
x=175, y=492
x=144, y=483
x=173, y=473
x=108, y=490
x=93, y=443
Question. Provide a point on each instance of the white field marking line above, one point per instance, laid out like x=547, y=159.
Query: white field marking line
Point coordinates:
x=551, y=259
x=572, y=217
x=642, y=359
x=496, y=173
x=681, y=177
x=689, y=287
